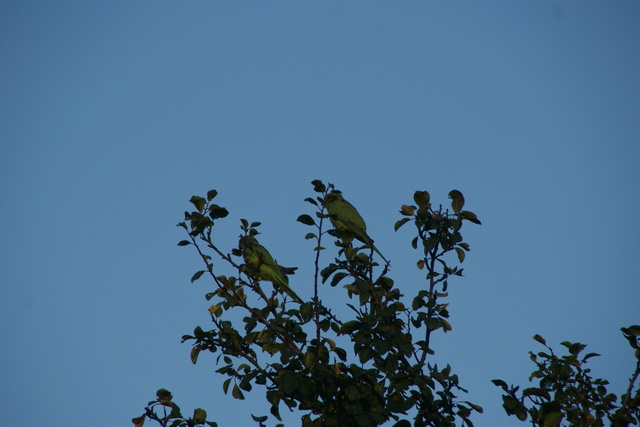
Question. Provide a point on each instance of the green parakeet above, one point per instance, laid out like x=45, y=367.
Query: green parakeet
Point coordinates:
x=262, y=266
x=345, y=217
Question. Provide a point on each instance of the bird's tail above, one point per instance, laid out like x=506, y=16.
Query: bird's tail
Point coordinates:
x=378, y=252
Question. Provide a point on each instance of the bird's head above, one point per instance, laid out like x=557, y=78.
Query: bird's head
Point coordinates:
x=247, y=241
x=333, y=196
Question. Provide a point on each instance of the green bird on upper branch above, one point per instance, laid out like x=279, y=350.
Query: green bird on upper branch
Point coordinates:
x=346, y=219
x=261, y=265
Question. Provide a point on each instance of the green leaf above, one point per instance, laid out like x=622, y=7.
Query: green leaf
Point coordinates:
x=198, y=332
x=407, y=210
x=307, y=311
x=337, y=278
x=225, y=385
x=352, y=392
x=540, y=339
x=184, y=243
x=288, y=382
x=245, y=384
x=349, y=327
x=211, y=194
x=199, y=415
x=433, y=324
x=310, y=200
x=534, y=391
x=590, y=355
x=310, y=359
x=198, y=202
x=475, y=407
x=318, y=186
x=457, y=200
x=197, y=275
x=237, y=393
x=195, y=351
x=400, y=223
x=510, y=403
x=163, y=395
x=632, y=330
x=271, y=347
x=576, y=348
x=422, y=198
x=341, y=353
x=328, y=271
x=470, y=216
x=552, y=419
x=430, y=243
x=139, y=421
x=631, y=334
x=306, y=219
x=460, y=253
x=216, y=212
x=501, y=384
x=424, y=212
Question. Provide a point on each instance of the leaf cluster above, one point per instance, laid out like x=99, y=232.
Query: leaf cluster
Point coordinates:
x=567, y=393
x=167, y=413
x=438, y=232
x=364, y=370
x=375, y=365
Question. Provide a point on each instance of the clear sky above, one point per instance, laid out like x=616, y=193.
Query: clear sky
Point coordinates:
x=113, y=114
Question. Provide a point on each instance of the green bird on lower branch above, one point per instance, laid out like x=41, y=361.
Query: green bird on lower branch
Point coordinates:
x=261, y=265
x=345, y=217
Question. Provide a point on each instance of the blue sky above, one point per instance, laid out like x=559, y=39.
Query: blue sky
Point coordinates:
x=113, y=114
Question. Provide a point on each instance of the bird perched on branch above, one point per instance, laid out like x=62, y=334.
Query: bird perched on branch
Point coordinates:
x=345, y=218
x=262, y=266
